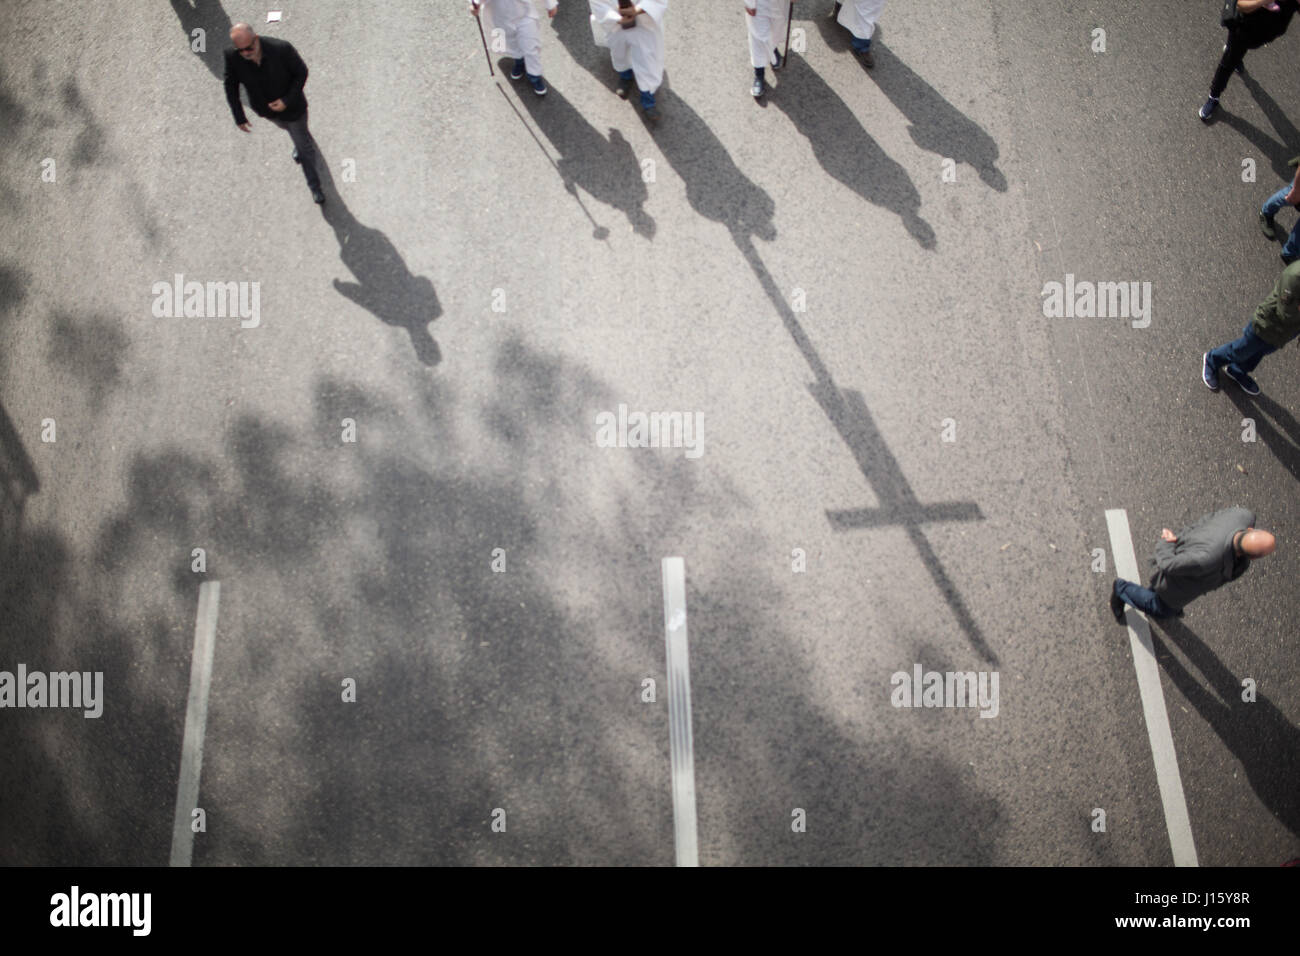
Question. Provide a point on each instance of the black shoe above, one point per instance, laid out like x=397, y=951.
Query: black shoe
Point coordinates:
x=318, y=197
x=1268, y=226
x=296, y=157
x=1248, y=384
x=1208, y=109
x=779, y=60
x=1117, y=608
x=1209, y=374
x=518, y=72
x=625, y=87
x=758, y=87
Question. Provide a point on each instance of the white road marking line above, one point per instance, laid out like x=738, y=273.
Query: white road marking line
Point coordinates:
x=679, y=712
x=196, y=719
x=1153, y=698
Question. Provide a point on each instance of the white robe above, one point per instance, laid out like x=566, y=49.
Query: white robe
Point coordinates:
x=766, y=29
x=859, y=17
x=640, y=49
x=520, y=31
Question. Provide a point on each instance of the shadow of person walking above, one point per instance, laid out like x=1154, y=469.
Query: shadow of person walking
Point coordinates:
x=605, y=169
x=210, y=17
x=1257, y=734
x=385, y=287
x=936, y=125
x=847, y=151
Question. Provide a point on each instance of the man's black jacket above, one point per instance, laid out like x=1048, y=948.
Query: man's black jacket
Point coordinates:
x=280, y=77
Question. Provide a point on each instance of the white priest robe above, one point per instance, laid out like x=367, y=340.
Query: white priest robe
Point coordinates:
x=520, y=35
x=766, y=29
x=640, y=49
x=859, y=17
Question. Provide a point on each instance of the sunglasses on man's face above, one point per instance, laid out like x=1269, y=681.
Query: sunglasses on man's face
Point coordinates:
x=246, y=49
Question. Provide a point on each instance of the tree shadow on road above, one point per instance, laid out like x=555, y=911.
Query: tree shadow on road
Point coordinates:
x=1257, y=734
x=476, y=690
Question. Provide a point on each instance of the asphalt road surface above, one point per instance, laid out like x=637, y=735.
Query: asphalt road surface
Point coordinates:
x=394, y=472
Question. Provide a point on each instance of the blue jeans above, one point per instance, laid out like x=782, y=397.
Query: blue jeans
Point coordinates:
x=1242, y=355
x=1271, y=208
x=1144, y=599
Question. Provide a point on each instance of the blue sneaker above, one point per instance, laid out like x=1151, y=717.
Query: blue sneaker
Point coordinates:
x=647, y=101
x=518, y=72
x=1245, y=381
x=539, y=85
x=1209, y=374
x=1208, y=109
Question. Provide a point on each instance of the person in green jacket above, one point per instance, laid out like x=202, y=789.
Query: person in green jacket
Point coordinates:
x=1276, y=322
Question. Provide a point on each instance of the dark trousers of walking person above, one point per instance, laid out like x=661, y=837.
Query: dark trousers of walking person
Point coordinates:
x=305, y=145
x=1144, y=599
x=1233, y=55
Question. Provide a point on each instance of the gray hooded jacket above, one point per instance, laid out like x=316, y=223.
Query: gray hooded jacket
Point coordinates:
x=1202, y=558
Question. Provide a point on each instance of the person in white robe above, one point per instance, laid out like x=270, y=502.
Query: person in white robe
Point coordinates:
x=859, y=18
x=634, y=35
x=766, y=20
x=520, y=31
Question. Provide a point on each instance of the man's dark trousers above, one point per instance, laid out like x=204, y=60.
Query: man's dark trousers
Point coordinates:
x=1144, y=599
x=305, y=145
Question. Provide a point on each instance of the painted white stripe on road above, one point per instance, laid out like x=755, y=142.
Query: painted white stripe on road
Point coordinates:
x=196, y=719
x=679, y=713
x=1153, y=698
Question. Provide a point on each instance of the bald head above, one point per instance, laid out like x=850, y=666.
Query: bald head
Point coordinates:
x=245, y=41
x=1257, y=544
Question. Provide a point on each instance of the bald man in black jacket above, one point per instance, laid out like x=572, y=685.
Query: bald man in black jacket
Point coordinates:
x=274, y=75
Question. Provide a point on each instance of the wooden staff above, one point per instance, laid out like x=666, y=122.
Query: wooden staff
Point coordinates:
x=789, y=22
x=479, y=18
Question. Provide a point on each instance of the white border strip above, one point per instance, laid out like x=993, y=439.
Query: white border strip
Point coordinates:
x=1153, y=698
x=679, y=713
x=196, y=719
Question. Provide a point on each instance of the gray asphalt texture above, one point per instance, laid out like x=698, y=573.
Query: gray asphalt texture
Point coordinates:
x=796, y=271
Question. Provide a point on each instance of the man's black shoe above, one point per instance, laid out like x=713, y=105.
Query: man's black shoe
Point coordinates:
x=1117, y=608
x=1268, y=226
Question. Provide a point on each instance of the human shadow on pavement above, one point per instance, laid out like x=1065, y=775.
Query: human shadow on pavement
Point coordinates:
x=385, y=286
x=605, y=168
x=1280, y=435
x=936, y=126
x=210, y=17
x=847, y=151
x=1257, y=734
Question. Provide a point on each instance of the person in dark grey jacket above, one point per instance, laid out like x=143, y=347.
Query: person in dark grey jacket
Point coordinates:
x=1215, y=550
